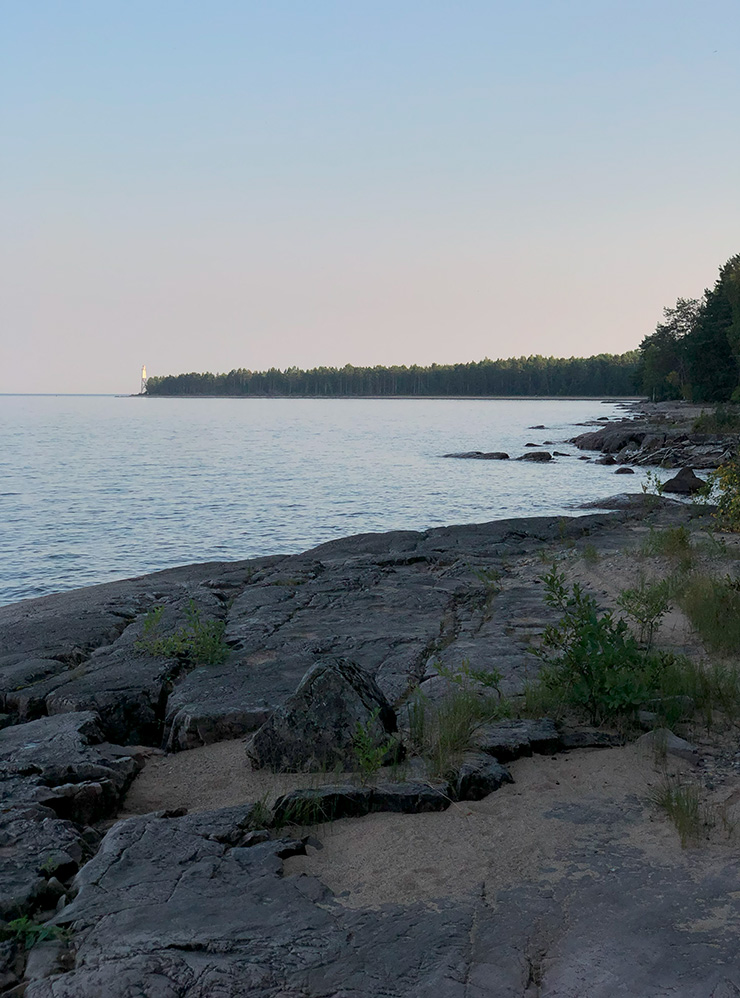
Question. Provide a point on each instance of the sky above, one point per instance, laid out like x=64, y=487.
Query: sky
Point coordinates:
x=213, y=185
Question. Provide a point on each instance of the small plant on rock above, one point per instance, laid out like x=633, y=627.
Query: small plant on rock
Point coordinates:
x=370, y=756
x=26, y=933
x=200, y=642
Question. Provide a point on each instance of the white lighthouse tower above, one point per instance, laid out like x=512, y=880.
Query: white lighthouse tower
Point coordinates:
x=142, y=391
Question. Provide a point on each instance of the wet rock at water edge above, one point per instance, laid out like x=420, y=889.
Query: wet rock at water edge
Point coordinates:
x=479, y=455
x=684, y=483
x=624, y=471
x=317, y=728
x=536, y=455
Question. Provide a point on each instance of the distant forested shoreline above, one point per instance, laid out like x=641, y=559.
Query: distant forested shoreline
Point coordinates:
x=605, y=374
x=693, y=354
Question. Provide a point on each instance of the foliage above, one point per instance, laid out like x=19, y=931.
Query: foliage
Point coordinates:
x=590, y=659
x=695, y=352
x=682, y=803
x=653, y=484
x=722, y=420
x=646, y=603
x=605, y=374
x=711, y=688
x=712, y=606
x=673, y=543
x=441, y=731
x=27, y=933
x=200, y=642
x=724, y=485
x=370, y=756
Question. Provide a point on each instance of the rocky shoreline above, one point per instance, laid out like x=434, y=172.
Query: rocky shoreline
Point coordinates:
x=216, y=902
x=660, y=434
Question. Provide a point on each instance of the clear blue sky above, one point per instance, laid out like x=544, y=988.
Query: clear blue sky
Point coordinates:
x=201, y=186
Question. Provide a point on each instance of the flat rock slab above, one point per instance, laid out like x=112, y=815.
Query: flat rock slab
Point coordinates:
x=329, y=803
x=182, y=906
x=508, y=740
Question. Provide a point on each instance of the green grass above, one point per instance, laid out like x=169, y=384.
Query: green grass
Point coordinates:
x=440, y=732
x=673, y=543
x=590, y=554
x=681, y=802
x=722, y=420
x=712, y=606
x=199, y=642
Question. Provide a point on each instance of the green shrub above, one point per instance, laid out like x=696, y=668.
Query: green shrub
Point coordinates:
x=722, y=420
x=591, y=661
x=199, y=642
x=724, y=486
x=646, y=604
x=370, y=757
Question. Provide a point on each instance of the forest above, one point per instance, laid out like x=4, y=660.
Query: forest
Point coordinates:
x=693, y=354
x=605, y=374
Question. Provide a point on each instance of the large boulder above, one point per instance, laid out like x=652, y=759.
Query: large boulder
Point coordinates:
x=685, y=483
x=536, y=455
x=317, y=728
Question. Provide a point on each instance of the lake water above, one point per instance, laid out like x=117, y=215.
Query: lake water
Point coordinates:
x=95, y=488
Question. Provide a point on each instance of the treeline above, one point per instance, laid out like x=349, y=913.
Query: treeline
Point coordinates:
x=694, y=352
x=605, y=374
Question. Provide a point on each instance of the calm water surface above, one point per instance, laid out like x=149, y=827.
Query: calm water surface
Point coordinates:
x=94, y=488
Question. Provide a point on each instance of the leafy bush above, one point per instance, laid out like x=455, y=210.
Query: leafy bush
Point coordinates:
x=646, y=604
x=722, y=420
x=591, y=661
x=724, y=485
x=200, y=642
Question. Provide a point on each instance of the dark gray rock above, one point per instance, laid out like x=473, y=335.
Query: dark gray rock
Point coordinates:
x=479, y=455
x=478, y=776
x=536, y=455
x=170, y=907
x=25, y=684
x=508, y=740
x=589, y=738
x=624, y=471
x=315, y=806
x=663, y=741
x=317, y=728
x=685, y=483
x=56, y=774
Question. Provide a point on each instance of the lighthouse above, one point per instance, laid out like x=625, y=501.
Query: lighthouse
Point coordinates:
x=142, y=390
